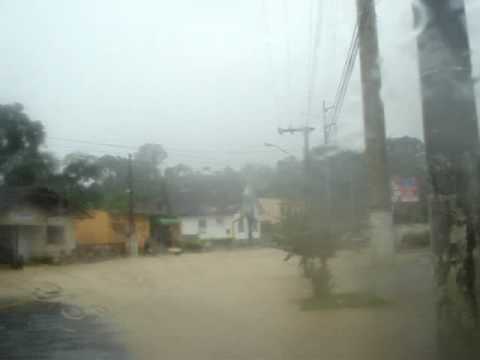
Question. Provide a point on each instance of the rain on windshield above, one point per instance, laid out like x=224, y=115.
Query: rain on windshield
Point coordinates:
x=251, y=179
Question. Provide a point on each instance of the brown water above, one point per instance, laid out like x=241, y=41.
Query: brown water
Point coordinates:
x=241, y=304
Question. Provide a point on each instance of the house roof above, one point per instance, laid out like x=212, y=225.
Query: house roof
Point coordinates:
x=187, y=204
x=40, y=197
x=205, y=210
x=150, y=208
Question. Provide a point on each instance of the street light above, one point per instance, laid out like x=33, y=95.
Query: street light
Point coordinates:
x=278, y=148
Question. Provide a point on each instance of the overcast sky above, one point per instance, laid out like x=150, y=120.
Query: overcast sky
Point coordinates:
x=210, y=80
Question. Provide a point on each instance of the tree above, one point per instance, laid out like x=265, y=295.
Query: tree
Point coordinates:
x=79, y=181
x=260, y=178
x=336, y=207
x=148, y=182
x=33, y=169
x=17, y=132
x=406, y=156
x=102, y=182
x=81, y=169
x=112, y=182
x=152, y=154
x=20, y=139
x=288, y=179
x=218, y=189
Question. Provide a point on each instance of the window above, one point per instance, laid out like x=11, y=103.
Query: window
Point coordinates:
x=254, y=225
x=219, y=220
x=55, y=235
x=241, y=225
x=202, y=225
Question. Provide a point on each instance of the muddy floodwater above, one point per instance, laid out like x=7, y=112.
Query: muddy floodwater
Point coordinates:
x=239, y=304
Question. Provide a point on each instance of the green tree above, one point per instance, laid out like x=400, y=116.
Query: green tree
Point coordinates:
x=288, y=182
x=216, y=189
x=148, y=181
x=18, y=133
x=335, y=208
x=31, y=169
x=260, y=178
x=79, y=181
x=21, y=162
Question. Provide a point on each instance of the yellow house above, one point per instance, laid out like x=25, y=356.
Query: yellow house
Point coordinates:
x=274, y=209
x=105, y=230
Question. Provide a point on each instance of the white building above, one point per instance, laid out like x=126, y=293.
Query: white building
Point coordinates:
x=34, y=224
x=215, y=225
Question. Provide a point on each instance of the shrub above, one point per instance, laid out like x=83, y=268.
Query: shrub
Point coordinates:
x=193, y=244
x=416, y=239
x=321, y=281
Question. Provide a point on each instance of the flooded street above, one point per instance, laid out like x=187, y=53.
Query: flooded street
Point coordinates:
x=241, y=304
x=42, y=331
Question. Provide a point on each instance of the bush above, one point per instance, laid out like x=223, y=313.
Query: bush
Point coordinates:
x=321, y=281
x=193, y=244
x=416, y=239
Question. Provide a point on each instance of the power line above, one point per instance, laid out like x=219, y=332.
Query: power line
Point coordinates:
x=201, y=162
x=316, y=39
x=197, y=161
x=330, y=125
x=92, y=143
x=288, y=54
x=269, y=55
x=167, y=148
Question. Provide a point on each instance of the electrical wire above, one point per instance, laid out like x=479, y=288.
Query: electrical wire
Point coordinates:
x=316, y=40
x=348, y=68
x=192, y=152
x=288, y=56
x=197, y=161
x=270, y=64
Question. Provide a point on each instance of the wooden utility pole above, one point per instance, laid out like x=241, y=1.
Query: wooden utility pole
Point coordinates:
x=381, y=221
x=306, y=131
x=132, y=242
x=452, y=145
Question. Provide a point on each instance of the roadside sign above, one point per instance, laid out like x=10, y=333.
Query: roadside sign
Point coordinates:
x=404, y=189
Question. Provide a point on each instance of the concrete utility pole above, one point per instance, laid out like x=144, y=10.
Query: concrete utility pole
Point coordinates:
x=381, y=221
x=306, y=131
x=132, y=246
x=452, y=145
x=327, y=127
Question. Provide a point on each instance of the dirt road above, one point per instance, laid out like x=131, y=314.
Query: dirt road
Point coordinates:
x=240, y=304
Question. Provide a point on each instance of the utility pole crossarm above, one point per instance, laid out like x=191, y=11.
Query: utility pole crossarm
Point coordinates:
x=306, y=131
x=292, y=130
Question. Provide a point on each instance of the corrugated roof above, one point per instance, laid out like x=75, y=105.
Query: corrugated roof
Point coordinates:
x=190, y=204
x=40, y=197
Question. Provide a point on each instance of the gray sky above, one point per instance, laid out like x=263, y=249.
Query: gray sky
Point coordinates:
x=210, y=80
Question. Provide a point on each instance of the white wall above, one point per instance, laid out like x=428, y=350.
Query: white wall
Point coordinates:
x=238, y=235
x=213, y=230
x=32, y=233
x=229, y=228
x=69, y=243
